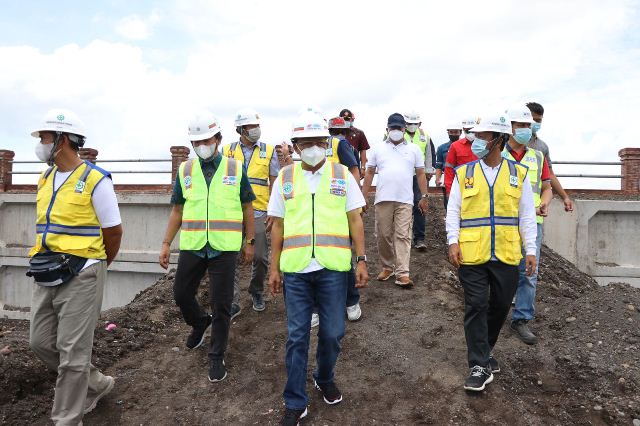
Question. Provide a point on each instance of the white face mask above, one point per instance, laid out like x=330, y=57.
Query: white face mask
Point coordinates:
x=412, y=128
x=313, y=155
x=206, y=151
x=396, y=135
x=253, y=134
x=43, y=152
x=470, y=136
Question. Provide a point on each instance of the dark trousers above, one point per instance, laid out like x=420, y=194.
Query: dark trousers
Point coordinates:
x=488, y=291
x=418, y=217
x=445, y=198
x=191, y=269
x=353, y=294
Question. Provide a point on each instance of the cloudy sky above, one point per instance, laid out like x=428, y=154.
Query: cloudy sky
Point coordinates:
x=134, y=71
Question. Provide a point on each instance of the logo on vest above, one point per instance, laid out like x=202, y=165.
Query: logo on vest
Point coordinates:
x=287, y=188
x=338, y=187
x=80, y=186
x=468, y=182
x=513, y=180
x=187, y=181
x=229, y=180
x=530, y=159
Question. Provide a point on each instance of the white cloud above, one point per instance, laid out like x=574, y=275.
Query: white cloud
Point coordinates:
x=447, y=61
x=136, y=28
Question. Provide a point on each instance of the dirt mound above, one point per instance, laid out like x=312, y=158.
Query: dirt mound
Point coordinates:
x=403, y=363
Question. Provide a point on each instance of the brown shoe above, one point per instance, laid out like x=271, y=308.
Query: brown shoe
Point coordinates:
x=385, y=275
x=404, y=281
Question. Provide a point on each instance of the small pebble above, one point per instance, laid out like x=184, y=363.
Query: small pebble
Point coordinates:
x=636, y=422
x=5, y=351
x=570, y=319
x=589, y=345
x=631, y=307
x=175, y=349
x=597, y=407
x=539, y=382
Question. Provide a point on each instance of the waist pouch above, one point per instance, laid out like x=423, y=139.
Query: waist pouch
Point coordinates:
x=52, y=269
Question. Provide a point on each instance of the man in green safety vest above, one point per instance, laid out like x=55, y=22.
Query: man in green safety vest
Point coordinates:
x=212, y=203
x=517, y=150
x=315, y=206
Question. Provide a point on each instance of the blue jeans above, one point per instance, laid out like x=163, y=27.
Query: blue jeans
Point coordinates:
x=329, y=290
x=353, y=294
x=526, y=293
x=419, y=221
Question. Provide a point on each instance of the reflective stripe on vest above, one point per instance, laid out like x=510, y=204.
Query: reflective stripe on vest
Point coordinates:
x=66, y=220
x=258, y=170
x=489, y=215
x=314, y=225
x=211, y=214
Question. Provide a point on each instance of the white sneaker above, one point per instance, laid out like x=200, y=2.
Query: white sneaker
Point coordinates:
x=354, y=312
x=315, y=320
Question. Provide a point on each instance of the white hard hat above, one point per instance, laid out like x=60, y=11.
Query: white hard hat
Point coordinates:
x=468, y=122
x=454, y=126
x=203, y=125
x=493, y=123
x=310, y=125
x=246, y=116
x=60, y=120
x=412, y=118
x=520, y=114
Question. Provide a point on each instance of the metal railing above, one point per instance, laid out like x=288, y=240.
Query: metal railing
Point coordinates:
x=589, y=163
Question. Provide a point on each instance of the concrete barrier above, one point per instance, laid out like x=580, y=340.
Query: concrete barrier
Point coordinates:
x=601, y=237
x=144, y=217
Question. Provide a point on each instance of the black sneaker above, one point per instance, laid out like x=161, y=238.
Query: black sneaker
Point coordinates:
x=330, y=392
x=524, y=333
x=217, y=370
x=258, y=302
x=493, y=364
x=196, y=337
x=292, y=417
x=235, y=310
x=478, y=378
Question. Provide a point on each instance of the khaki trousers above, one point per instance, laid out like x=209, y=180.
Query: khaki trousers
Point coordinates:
x=63, y=319
x=394, y=222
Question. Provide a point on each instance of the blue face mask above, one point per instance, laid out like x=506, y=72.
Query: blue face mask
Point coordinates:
x=479, y=147
x=535, y=127
x=523, y=136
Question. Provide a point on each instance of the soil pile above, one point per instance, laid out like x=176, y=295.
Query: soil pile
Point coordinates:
x=403, y=363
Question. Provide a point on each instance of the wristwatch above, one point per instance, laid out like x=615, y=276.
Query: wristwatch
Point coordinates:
x=425, y=195
x=251, y=242
x=362, y=258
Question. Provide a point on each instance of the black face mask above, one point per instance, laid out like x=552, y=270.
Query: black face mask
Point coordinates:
x=454, y=138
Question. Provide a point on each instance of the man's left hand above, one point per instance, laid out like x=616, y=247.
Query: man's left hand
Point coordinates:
x=568, y=204
x=247, y=254
x=543, y=209
x=362, y=276
x=423, y=205
x=530, y=265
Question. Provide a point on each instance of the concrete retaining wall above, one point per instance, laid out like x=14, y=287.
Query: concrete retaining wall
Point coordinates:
x=144, y=218
x=601, y=237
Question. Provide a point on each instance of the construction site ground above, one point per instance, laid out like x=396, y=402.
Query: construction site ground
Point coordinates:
x=404, y=363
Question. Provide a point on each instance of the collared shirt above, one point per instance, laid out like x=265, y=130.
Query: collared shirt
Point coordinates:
x=396, y=166
x=441, y=155
x=209, y=169
x=459, y=153
x=526, y=210
x=274, y=167
x=355, y=200
x=518, y=156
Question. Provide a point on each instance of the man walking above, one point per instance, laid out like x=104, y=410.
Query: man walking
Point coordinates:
x=262, y=166
x=517, y=150
x=396, y=161
x=315, y=208
x=211, y=203
x=490, y=211
x=454, y=131
x=414, y=134
x=459, y=153
x=356, y=138
x=78, y=234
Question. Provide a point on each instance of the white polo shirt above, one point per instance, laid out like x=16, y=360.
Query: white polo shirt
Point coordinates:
x=396, y=166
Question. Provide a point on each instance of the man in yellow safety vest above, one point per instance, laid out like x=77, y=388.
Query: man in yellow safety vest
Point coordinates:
x=490, y=213
x=78, y=234
x=211, y=205
x=517, y=150
x=315, y=207
x=262, y=166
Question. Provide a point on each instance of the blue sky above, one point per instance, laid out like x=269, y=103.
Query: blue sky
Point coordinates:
x=135, y=71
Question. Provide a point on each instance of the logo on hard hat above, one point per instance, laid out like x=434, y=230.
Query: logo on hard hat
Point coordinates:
x=502, y=120
x=212, y=125
x=60, y=117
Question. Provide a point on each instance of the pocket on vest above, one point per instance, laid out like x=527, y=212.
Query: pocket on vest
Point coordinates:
x=470, y=246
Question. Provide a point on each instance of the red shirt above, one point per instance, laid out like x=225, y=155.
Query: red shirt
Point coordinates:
x=518, y=156
x=459, y=153
x=357, y=139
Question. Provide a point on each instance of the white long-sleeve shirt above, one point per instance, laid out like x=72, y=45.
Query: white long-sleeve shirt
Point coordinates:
x=526, y=211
